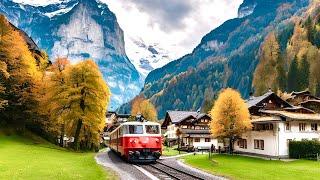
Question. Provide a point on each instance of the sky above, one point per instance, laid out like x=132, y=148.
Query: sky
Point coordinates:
x=176, y=25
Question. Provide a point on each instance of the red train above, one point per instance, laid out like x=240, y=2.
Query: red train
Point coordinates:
x=137, y=141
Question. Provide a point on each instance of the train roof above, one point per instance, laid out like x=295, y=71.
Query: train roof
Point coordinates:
x=136, y=123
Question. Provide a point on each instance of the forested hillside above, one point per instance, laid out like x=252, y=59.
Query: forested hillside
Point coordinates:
x=290, y=58
x=226, y=57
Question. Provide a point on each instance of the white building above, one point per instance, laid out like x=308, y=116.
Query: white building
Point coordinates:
x=275, y=123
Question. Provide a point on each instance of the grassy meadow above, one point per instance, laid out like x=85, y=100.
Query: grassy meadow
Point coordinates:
x=241, y=167
x=25, y=158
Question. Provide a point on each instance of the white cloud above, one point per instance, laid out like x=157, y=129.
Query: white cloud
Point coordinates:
x=154, y=21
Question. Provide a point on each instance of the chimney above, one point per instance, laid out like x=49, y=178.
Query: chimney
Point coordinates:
x=250, y=95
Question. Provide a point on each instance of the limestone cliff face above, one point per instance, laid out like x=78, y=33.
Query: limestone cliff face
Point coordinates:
x=80, y=29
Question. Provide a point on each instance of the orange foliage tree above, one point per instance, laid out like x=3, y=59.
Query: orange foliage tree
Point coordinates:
x=144, y=107
x=20, y=75
x=230, y=116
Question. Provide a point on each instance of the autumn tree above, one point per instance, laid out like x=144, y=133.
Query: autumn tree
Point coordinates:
x=22, y=76
x=88, y=99
x=230, y=116
x=78, y=99
x=3, y=77
x=142, y=106
x=51, y=99
x=270, y=72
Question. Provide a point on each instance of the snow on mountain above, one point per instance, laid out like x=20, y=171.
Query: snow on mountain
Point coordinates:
x=39, y=2
x=146, y=57
x=60, y=11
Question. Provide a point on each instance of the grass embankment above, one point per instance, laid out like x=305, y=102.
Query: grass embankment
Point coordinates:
x=240, y=167
x=25, y=158
x=171, y=151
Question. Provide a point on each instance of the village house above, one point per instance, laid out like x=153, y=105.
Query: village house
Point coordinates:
x=194, y=128
x=276, y=122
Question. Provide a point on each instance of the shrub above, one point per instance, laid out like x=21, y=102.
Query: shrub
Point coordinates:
x=304, y=148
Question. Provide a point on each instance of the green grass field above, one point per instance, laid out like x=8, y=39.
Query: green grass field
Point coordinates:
x=240, y=167
x=171, y=151
x=22, y=158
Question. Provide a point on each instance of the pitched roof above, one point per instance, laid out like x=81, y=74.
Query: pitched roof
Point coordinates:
x=178, y=116
x=253, y=101
x=299, y=108
x=300, y=92
x=310, y=100
x=292, y=115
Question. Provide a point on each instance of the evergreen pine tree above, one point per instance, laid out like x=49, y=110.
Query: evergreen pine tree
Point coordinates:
x=293, y=75
x=317, y=93
x=304, y=71
x=281, y=74
x=309, y=27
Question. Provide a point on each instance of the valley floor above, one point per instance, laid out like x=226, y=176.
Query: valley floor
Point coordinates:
x=22, y=158
x=240, y=167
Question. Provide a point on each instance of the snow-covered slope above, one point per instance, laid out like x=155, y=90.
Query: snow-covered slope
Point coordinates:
x=79, y=29
x=146, y=57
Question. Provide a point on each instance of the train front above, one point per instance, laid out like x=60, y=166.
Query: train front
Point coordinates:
x=142, y=142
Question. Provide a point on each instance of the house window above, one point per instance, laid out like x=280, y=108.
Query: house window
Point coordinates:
x=207, y=139
x=196, y=139
x=259, y=144
x=242, y=143
x=288, y=126
x=314, y=126
x=302, y=126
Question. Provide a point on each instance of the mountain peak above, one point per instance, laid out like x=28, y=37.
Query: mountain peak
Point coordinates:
x=78, y=30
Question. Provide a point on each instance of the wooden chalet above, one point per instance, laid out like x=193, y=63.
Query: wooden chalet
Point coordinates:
x=194, y=128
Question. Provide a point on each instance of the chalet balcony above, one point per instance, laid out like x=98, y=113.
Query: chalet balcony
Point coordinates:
x=195, y=131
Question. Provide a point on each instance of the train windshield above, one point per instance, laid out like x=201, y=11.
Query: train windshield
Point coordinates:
x=135, y=129
x=152, y=129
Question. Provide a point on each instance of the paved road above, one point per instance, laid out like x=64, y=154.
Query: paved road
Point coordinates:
x=128, y=171
x=125, y=171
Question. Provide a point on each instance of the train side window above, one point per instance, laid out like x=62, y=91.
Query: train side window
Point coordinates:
x=135, y=129
x=152, y=129
x=125, y=129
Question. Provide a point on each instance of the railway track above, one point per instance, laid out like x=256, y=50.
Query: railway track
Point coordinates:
x=163, y=171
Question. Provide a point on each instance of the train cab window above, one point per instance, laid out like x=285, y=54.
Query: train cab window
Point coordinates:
x=152, y=129
x=135, y=129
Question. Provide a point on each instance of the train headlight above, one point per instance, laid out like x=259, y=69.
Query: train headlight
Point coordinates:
x=131, y=153
x=137, y=153
x=157, y=140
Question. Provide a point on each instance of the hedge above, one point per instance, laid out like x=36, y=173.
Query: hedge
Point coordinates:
x=304, y=149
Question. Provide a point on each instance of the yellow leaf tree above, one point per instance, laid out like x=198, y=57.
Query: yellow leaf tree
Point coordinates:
x=52, y=100
x=23, y=74
x=3, y=76
x=144, y=107
x=85, y=103
x=230, y=116
x=270, y=70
